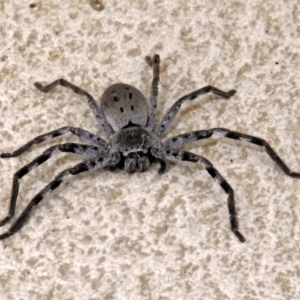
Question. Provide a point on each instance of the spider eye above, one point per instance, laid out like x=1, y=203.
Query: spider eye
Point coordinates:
x=116, y=99
x=121, y=109
x=130, y=96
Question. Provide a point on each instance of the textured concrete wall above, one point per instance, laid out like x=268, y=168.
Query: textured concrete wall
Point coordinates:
x=104, y=235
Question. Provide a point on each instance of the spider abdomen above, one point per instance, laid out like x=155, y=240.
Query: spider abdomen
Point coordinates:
x=123, y=104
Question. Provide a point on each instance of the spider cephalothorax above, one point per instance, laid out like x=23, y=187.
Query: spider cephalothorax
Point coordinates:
x=133, y=142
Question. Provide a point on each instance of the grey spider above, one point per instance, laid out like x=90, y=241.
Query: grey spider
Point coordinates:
x=134, y=142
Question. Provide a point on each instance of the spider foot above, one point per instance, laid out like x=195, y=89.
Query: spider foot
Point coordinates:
x=5, y=235
x=6, y=155
x=152, y=60
x=40, y=87
x=230, y=93
x=239, y=236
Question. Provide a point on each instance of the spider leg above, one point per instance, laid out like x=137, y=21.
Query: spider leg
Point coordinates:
x=98, y=162
x=87, y=150
x=91, y=101
x=154, y=89
x=83, y=134
x=163, y=166
x=173, y=154
x=169, y=116
x=182, y=139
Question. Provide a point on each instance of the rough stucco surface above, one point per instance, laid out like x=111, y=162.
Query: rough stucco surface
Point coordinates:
x=106, y=235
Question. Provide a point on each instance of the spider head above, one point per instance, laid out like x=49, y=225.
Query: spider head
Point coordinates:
x=136, y=162
x=134, y=144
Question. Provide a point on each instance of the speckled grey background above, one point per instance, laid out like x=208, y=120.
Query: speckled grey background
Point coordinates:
x=108, y=235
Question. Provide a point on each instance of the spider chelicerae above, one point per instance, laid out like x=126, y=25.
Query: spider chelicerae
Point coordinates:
x=133, y=142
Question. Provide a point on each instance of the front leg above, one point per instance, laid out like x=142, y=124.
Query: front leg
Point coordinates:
x=154, y=62
x=171, y=113
x=91, y=101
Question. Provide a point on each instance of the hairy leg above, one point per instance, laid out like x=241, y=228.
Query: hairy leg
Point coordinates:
x=186, y=138
x=174, y=154
x=94, y=163
x=91, y=101
x=86, y=150
x=154, y=89
x=83, y=134
x=171, y=113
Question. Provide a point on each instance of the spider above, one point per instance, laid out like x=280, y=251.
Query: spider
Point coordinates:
x=133, y=142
